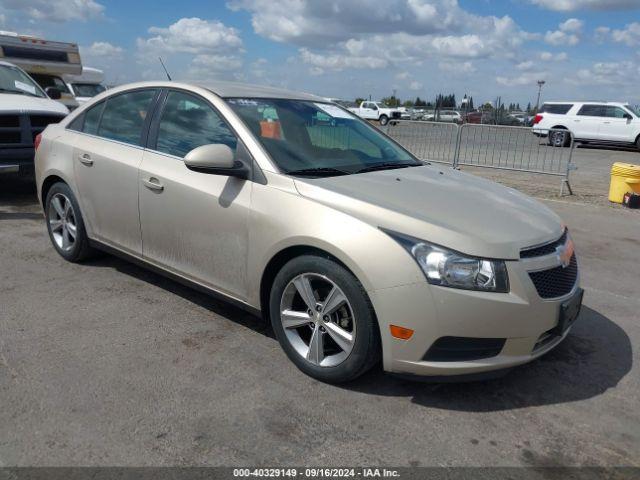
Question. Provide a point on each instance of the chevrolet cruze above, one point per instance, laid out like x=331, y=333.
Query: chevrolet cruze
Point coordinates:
x=294, y=208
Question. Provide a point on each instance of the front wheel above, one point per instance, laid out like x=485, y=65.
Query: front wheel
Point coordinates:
x=383, y=120
x=323, y=319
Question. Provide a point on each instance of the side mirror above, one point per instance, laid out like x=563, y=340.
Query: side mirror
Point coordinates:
x=216, y=159
x=53, y=93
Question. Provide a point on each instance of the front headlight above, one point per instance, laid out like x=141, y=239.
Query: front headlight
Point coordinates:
x=452, y=269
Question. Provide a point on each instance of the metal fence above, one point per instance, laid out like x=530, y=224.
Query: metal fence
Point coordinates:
x=489, y=146
x=429, y=141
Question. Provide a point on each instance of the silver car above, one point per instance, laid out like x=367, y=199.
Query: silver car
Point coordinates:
x=295, y=209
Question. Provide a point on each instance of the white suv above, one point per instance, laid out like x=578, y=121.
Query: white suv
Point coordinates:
x=598, y=122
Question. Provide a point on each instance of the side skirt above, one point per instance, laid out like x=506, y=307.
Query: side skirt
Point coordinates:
x=175, y=277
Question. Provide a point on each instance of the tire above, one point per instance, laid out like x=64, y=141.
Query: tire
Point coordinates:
x=559, y=138
x=383, y=120
x=342, y=327
x=63, y=217
x=638, y=142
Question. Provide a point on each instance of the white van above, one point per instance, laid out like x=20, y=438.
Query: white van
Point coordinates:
x=25, y=111
x=86, y=85
x=45, y=61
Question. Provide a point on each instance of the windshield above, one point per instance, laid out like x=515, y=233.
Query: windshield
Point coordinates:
x=45, y=80
x=318, y=139
x=14, y=80
x=87, y=89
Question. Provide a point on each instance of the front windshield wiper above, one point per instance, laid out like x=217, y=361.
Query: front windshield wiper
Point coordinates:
x=386, y=166
x=19, y=92
x=318, y=172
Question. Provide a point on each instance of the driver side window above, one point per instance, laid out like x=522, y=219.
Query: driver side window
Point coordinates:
x=188, y=122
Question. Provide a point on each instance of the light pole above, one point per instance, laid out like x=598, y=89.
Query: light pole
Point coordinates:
x=540, y=84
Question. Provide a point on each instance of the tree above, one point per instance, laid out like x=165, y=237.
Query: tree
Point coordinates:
x=419, y=102
x=358, y=100
x=392, y=101
x=529, y=107
x=408, y=103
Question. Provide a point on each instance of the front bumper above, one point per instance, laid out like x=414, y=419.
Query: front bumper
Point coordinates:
x=521, y=317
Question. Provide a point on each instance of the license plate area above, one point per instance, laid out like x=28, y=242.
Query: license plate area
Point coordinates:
x=569, y=311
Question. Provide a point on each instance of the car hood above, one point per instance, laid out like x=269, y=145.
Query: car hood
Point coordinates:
x=29, y=104
x=443, y=206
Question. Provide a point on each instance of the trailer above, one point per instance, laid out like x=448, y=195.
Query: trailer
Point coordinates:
x=45, y=61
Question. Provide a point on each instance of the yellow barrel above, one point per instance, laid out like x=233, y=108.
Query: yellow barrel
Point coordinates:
x=625, y=177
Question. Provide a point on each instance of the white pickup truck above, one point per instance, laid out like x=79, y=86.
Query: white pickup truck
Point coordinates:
x=25, y=111
x=376, y=111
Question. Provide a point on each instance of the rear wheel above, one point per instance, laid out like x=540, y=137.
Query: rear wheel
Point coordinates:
x=65, y=224
x=559, y=138
x=323, y=320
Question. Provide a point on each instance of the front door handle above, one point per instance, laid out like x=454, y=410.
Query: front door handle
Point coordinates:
x=153, y=183
x=85, y=159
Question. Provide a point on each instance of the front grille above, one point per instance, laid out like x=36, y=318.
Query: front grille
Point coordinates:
x=21, y=130
x=10, y=129
x=461, y=349
x=9, y=121
x=556, y=282
x=545, y=249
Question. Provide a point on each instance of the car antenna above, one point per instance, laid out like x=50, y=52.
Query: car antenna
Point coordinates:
x=164, y=68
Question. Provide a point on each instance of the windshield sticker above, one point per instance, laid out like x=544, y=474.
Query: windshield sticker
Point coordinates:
x=25, y=87
x=332, y=110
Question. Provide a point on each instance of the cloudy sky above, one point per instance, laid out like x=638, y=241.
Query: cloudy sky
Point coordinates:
x=584, y=49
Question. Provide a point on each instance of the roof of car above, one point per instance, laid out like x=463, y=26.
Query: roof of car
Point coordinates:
x=227, y=89
x=589, y=102
x=237, y=89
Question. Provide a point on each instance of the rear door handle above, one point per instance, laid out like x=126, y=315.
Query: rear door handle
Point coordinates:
x=153, y=183
x=85, y=159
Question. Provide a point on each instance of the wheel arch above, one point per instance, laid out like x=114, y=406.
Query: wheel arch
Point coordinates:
x=277, y=261
x=47, y=183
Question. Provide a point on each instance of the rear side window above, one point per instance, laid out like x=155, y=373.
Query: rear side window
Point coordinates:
x=188, y=122
x=557, y=108
x=124, y=115
x=592, y=111
x=91, y=119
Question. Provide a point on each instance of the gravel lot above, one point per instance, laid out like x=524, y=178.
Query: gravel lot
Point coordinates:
x=107, y=364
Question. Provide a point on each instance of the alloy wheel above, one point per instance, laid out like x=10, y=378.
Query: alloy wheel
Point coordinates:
x=62, y=222
x=318, y=320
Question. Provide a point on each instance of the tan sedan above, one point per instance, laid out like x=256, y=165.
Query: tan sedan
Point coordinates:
x=294, y=208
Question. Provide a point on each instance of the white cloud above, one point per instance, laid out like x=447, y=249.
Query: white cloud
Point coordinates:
x=56, y=10
x=572, y=5
x=553, y=57
x=415, y=86
x=339, y=62
x=630, y=35
x=304, y=22
x=527, y=78
x=192, y=35
x=568, y=33
x=457, y=67
x=403, y=75
x=524, y=66
x=614, y=74
x=101, y=50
